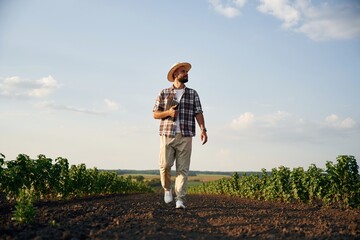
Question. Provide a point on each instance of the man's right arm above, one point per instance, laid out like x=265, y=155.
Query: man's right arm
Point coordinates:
x=164, y=114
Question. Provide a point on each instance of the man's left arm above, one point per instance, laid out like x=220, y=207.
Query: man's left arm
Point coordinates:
x=201, y=121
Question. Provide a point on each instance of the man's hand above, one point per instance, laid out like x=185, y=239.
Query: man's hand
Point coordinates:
x=203, y=137
x=173, y=112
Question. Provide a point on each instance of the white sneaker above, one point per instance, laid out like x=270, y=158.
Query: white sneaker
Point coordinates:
x=180, y=204
x=168, y=198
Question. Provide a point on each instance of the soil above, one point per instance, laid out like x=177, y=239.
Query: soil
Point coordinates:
x=146, y=216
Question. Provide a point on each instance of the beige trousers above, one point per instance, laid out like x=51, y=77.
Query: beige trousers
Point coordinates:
x=179, y=149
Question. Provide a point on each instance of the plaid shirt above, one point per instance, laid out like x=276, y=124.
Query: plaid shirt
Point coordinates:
x=188, y=108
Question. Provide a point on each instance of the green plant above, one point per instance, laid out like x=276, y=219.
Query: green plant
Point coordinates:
x=24, y=209
x=338, y=185
x=343, y=182
x=48, y=180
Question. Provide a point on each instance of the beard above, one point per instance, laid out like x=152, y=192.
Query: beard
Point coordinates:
x=184, y=79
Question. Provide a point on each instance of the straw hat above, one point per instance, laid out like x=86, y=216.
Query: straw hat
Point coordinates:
x=170, y=75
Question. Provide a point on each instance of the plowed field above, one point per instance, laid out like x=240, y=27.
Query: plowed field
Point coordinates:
x=146, y=216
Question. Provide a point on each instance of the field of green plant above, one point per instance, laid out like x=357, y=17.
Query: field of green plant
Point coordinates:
x=337, y=185
x=50, y=179
x=26, y=180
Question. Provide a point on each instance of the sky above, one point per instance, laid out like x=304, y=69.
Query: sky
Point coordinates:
x=278, y=80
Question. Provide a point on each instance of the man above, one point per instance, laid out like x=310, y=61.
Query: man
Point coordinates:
x=177, y=107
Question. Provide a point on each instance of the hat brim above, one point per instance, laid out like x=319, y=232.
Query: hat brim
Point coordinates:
x=170, y=75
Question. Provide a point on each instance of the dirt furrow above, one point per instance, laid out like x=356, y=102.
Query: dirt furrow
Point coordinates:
x=145, y=216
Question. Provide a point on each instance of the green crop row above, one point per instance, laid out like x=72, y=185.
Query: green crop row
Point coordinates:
x=338, y=184
x=48, y=179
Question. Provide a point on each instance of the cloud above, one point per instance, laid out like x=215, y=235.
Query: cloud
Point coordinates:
x=52, y=105
x=243, y=121
x=248, y=120
x=333, y=121
x=274, y=119
x=111, y=105
x=228, y=9
x=23, y=88
x=321, y=22
x=282, y=10
x=284, y=126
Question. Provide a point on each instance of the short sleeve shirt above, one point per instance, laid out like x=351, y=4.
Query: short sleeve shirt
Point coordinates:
x=189, y=107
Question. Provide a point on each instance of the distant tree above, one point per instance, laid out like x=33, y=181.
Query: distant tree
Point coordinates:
x=139, y=178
